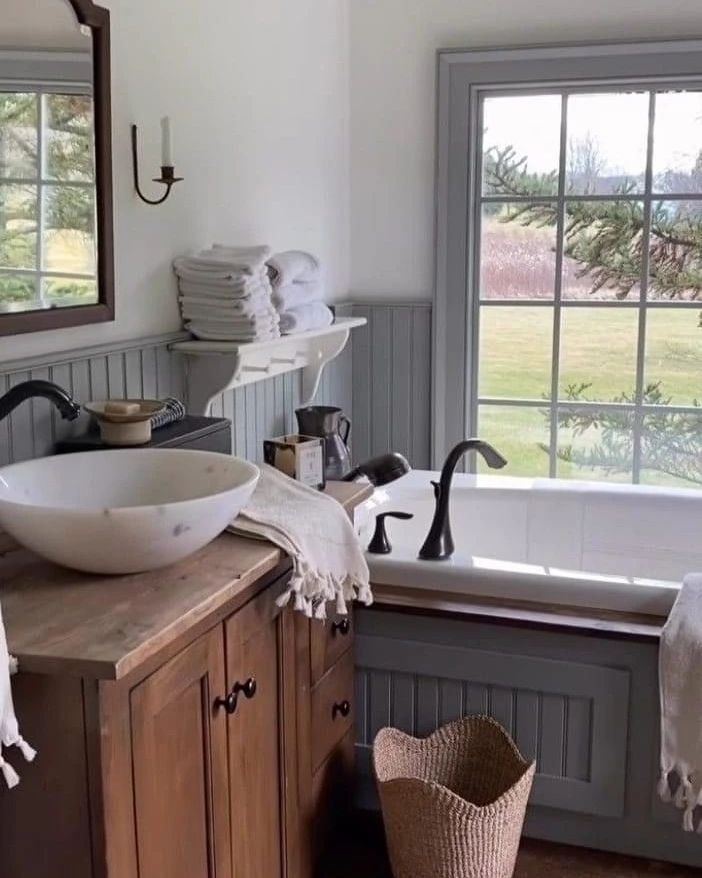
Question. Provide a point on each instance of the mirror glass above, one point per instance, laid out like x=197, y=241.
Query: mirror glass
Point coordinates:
x=48, y=229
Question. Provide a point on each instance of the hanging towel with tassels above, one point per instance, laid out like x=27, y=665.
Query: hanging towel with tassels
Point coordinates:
x=9, y=730
x=317, y=534
x=680, y=676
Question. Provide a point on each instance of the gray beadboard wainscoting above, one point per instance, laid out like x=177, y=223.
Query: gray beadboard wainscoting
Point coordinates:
x=142, y=368
x=147, y=368
x=381, y=380
x=584, y=707
x=392, y=380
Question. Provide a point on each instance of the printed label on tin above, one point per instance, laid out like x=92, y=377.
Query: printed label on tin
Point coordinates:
x=310, y=466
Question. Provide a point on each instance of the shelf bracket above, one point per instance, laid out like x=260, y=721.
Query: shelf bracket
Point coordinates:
x=212, y=368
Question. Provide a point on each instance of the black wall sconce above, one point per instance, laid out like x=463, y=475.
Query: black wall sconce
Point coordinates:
x=168, y=177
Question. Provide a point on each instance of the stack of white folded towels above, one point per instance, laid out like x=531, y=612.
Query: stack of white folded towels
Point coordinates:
x=225, y=294
x=298, y=292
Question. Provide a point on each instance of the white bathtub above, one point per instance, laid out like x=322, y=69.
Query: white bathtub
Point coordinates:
x=580, y=544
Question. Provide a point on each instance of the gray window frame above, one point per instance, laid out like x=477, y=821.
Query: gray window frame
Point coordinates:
x=463, y=77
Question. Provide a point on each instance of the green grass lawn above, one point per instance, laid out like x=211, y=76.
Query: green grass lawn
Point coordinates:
x=598, y=346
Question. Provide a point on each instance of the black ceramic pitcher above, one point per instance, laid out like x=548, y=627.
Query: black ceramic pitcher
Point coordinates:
x=330, y=424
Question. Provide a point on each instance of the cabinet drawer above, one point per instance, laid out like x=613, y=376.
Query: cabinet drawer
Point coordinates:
x=332, y=709
x=329, y=640
x=332, y=804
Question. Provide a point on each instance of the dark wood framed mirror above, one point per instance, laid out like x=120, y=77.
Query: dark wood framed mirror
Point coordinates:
x=56, y=225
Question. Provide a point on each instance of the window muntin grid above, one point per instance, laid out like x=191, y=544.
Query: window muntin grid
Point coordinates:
x=646, y=195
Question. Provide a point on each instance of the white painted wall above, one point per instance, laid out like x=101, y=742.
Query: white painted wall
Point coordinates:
x=393, y=46
x=259, y=95
x=41, y=24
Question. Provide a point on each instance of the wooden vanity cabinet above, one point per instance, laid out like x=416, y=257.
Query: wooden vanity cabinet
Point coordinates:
x=186, y=726
x=257, y=737
x=179, y=765
x=325, y=729
x=208, y=738
x=242, y=749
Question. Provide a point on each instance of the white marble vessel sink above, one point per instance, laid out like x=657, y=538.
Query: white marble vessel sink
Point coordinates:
x=123, y=511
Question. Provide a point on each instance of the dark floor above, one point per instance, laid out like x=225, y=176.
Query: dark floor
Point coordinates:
x=536, y=860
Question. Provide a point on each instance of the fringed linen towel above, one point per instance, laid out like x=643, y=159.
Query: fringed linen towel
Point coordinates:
x=9, y=730
x=315, y=531
x=680, y=676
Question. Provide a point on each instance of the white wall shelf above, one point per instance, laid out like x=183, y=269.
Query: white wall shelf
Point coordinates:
x=215, y=367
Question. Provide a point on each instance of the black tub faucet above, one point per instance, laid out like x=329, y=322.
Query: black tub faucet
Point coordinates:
x=438, y=545
x=66, y=405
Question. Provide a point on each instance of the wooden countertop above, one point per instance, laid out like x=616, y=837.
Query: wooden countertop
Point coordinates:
x=59, y=621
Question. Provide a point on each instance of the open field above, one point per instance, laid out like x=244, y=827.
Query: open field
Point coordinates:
x=598, y=347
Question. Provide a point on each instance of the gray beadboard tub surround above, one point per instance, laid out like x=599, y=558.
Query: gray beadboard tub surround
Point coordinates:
x=585, y=707
x=392, y=379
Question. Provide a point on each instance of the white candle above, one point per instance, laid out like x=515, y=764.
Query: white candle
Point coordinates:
x=166, y=143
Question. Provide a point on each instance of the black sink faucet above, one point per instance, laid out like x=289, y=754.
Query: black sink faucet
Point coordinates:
x=67, y=406
x=438, y=545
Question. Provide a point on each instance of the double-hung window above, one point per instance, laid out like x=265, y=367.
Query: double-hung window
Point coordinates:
x=569, y=286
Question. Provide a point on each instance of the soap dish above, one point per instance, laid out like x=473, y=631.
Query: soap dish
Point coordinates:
x=125, y=421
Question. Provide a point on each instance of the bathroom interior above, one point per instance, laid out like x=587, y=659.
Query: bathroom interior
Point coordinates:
x=350, y=439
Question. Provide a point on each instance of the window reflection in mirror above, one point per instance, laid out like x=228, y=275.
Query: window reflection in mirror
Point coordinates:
x=47, y=160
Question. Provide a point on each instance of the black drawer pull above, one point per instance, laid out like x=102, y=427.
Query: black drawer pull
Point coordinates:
x=229, y=703
x=343, y=627
x=248, y=689
x=341, y=707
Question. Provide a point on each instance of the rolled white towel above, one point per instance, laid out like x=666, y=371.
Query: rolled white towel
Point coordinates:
x=297, y=294
x=234, y=260
x=316, y=315
x=293, y=265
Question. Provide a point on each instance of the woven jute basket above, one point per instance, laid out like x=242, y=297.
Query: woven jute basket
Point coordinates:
x=453, y=803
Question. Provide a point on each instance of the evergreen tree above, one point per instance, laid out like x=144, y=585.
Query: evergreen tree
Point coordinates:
x=606, y=241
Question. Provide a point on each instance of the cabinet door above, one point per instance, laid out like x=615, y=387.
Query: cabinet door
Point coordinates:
x=254, y=653
x=180, y=766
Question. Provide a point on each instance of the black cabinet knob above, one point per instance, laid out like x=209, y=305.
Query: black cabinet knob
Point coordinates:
x=248, y=689
x=230, y=702
x=343, y=627
x=341, y=707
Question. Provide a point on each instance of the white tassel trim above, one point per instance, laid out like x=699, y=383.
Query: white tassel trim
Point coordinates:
x=688, y=794
x=26, y=750
x=9, y=773
x=664, y=792
x=681, y=794
x=688, y=824
x=311, y=590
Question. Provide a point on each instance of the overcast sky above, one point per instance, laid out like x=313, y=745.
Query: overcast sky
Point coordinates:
x=617, y=123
